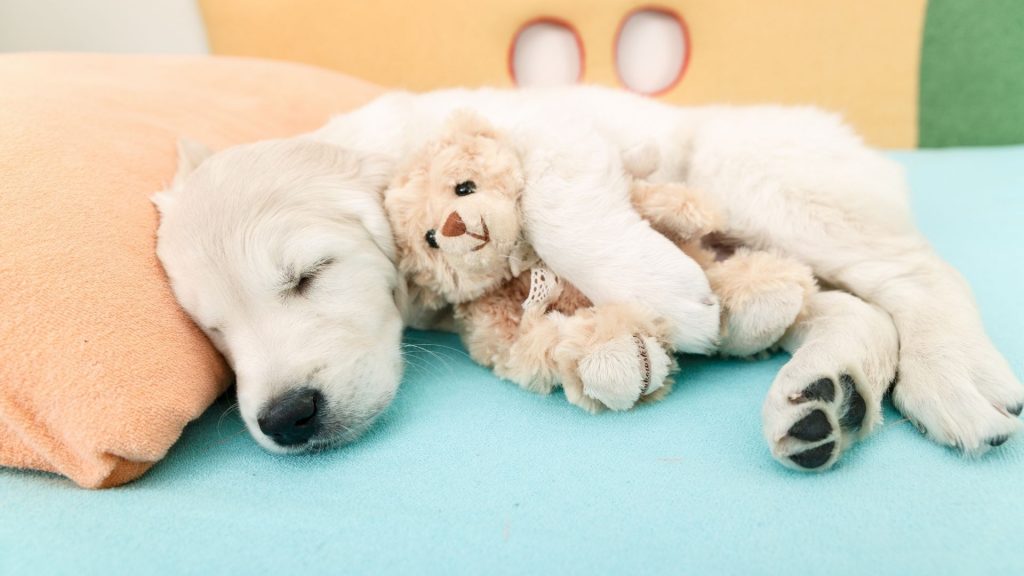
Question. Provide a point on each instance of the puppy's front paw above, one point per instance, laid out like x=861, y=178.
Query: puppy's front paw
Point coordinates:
x=618, y=372
x=695, y=323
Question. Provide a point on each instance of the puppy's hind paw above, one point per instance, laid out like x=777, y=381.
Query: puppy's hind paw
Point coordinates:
x=810, y=428
x=972, y=410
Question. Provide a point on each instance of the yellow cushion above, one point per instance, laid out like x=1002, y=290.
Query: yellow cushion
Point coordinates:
x=99, y=368
x=858, y=57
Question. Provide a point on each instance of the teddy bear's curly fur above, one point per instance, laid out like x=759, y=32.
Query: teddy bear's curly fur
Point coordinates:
x=454, y=209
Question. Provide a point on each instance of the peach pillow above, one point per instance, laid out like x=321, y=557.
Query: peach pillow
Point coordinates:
x=100, y=370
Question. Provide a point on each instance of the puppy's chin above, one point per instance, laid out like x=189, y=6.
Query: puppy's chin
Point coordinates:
x=334, y=435
x=313, y=445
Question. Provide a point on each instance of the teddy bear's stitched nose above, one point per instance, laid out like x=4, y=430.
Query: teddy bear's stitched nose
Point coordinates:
x=453, y=226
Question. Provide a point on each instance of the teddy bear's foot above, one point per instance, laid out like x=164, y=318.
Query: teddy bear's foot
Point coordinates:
x=618, y=372
x=760, y=322
x=762, y=295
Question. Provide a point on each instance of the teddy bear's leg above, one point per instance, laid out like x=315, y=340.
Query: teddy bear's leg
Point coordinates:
x=573, y=388
x=617, y=355
x=525, y=346
x=762, y=295
x=603, y=356
x=516, y=345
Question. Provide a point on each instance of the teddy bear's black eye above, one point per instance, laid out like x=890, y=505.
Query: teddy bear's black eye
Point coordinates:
x=432, y=238
x=465, y=188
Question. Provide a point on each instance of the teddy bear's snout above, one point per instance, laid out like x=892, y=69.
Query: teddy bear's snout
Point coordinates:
x=462, y=238
x=453, y=226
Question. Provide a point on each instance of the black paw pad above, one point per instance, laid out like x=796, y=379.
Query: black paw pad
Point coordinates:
x=812, y=427
x=824, y=390
x=856, y=408
x=1016, y=410
x=815, y=457
x=998, y=441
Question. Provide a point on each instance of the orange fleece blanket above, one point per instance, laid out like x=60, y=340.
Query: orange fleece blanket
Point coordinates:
x=100, y=370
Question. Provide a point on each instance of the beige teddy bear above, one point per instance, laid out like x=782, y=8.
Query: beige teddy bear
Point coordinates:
x=455, y=212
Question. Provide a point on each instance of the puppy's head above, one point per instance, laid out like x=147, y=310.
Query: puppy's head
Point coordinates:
x=281, y=253
x=455, y=213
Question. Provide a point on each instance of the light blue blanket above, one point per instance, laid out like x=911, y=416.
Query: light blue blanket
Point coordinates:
x=468, y=474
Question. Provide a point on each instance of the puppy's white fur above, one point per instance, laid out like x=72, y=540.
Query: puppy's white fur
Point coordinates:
x=796, y=181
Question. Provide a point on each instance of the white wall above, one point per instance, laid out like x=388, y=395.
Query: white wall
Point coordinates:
x=101, y=26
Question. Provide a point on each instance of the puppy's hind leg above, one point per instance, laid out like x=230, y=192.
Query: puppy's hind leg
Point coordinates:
x=817, y=194
x=829, y=395
x=954, y=385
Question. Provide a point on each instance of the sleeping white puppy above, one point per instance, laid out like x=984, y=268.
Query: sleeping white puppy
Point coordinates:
x=792, y=180
x=281, y=253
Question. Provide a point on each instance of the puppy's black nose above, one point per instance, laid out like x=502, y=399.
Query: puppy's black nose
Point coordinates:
x=293, y=418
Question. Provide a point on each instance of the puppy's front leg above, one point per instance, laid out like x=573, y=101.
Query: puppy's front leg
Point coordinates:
x=579, y=219
x=954, y=385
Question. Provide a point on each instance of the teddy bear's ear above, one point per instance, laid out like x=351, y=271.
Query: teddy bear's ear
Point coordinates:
x=467, y=122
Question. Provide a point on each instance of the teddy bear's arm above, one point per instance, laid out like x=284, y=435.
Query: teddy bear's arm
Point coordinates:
x=678, y=212
x=604, y=356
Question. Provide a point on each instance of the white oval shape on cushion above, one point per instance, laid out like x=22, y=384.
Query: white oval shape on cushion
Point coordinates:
x=546, y=53
x=651, y=50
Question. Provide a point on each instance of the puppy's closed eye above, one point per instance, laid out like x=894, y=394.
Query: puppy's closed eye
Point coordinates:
x=303, y=283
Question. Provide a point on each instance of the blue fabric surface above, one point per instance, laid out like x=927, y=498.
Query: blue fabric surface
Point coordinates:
x=468, y=474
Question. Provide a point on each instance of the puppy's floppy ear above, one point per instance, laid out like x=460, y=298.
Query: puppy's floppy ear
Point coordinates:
x=190, y=155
